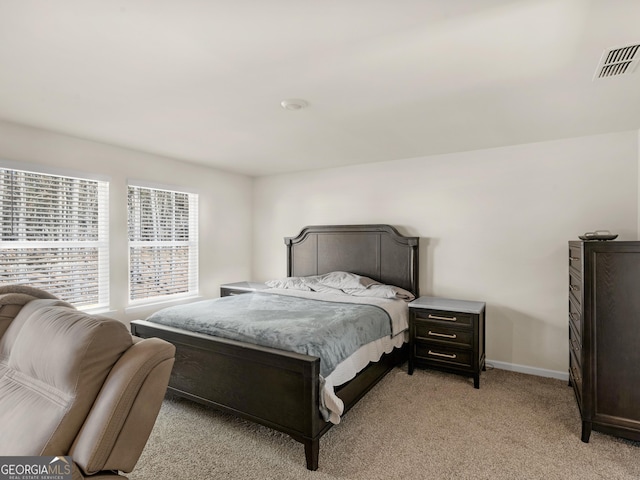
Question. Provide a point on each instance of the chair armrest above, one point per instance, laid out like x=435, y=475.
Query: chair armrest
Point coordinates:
x=120, y=422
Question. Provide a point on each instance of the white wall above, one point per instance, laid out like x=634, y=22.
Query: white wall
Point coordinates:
x=494, y=226
x=224, y=202
x=493, y=223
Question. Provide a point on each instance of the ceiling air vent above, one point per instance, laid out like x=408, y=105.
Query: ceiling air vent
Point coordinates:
x=618, y=61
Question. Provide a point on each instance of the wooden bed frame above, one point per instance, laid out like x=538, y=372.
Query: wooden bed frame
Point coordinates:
x=280, y=389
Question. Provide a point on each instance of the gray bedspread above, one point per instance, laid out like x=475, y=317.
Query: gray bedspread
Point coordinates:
x=329, y=330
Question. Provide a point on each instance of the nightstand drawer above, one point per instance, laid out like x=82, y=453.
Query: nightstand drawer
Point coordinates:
x=439, y=332
x=444, y=317
x=438, y=354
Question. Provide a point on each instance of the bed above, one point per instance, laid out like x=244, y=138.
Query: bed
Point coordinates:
x=282, y=389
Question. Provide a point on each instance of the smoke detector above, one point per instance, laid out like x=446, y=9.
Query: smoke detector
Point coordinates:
x=618, y=61
x=294, y=104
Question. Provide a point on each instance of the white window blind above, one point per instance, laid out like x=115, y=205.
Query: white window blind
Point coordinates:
x=54, y=235
x=163, y=243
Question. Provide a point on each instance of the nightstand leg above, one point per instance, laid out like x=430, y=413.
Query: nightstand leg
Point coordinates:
x=476, y=381
x=410, y=368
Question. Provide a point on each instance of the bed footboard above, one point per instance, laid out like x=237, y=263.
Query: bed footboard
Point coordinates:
x=275, y=388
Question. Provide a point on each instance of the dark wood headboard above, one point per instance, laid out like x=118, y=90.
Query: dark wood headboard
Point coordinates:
x=375, y=251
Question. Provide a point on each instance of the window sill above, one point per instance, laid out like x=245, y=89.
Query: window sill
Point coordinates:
x=107, y=312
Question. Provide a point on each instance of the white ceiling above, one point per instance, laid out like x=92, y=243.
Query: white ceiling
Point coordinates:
x=202, y=80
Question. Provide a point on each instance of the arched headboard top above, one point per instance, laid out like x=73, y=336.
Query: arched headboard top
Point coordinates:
x=376, y=251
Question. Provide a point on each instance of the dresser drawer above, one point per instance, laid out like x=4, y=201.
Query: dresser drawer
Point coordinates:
x=575, y=316
x=431, y=330
x=575, y=286
x=443, y=355
x=576, y=377
x=575, y=345
x=575, y=257
x=443, y=318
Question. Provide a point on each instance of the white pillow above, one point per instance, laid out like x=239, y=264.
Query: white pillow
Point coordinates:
x=342, y=283
x=343, y=280
x=293, y=283
x=382, y=291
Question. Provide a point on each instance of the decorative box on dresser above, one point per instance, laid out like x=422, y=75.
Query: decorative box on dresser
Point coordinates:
x=447, y=334
x=604, y=335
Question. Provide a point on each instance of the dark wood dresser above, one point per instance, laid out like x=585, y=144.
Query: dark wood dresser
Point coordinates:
x=604, y=335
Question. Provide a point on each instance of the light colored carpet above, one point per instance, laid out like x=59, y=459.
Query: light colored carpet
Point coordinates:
x=429, y=425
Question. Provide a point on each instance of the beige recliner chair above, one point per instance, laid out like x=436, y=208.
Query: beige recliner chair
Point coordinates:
x=74, y=384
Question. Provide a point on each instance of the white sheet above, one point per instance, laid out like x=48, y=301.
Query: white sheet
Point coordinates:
x=346, y=370
x=349, y=368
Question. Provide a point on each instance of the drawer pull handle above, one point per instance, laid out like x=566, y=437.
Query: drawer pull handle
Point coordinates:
x=575, y=288
x=574, y=259
x=576, y=374
x=436, y=334
x=437, y=317
x=442, y=354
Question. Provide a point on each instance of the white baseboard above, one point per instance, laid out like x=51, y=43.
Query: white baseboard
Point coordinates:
x=540, y=372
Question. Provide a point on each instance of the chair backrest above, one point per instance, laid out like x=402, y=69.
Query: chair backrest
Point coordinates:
x=55, y=362
x=13, y=298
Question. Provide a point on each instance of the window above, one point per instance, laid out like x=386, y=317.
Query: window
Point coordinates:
x=54, y=235
x=163, y=243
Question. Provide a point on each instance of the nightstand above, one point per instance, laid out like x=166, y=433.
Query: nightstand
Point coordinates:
x=448, y=335
x=239, y=288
